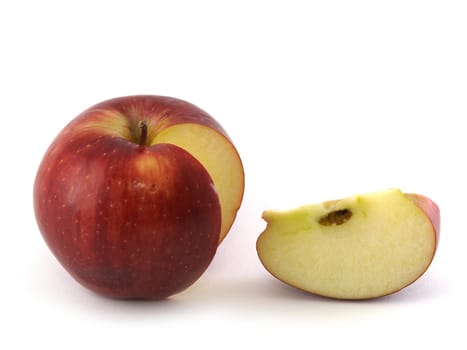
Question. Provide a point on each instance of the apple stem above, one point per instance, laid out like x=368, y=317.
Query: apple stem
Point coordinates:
x=143, y=135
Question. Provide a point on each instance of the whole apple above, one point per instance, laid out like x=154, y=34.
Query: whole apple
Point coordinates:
x=135, y=194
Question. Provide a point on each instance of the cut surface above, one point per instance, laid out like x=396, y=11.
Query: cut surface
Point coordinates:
x=220, y=159
x=386, y=244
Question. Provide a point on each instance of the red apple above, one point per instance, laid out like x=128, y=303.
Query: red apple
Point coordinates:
x=135, y=194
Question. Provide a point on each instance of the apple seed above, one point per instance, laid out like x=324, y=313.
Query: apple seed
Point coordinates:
x=336, y=217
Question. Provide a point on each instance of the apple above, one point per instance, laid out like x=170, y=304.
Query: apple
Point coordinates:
x=135, y=194
x=361, y=247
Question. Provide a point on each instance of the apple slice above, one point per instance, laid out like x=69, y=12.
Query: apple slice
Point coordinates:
x=361, y=247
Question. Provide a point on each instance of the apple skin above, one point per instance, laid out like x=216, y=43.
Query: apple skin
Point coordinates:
x=128, y=220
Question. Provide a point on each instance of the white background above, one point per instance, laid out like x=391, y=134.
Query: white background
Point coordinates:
x=323, y=99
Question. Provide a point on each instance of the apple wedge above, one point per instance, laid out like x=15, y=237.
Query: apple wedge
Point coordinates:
x=361, y=247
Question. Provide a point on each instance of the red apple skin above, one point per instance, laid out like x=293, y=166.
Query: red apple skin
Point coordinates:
x=127, y=220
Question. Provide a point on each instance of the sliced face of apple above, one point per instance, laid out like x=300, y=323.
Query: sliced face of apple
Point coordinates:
x=362, y=247
x=177, y=122
x=220, y=159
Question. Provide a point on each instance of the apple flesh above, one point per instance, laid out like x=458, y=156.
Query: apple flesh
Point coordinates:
x=361, y=247
x=131, y=196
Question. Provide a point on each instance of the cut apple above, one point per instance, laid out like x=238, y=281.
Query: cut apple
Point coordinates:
x=362, y=247
x=135, y=194
x=220, y=159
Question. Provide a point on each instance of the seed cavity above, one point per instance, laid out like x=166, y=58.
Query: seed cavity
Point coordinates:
x=336, y=217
